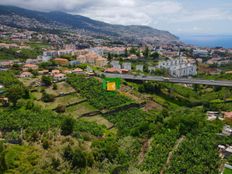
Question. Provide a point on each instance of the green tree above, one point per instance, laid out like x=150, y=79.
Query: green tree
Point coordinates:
x=46, y=65
x=109, y=57
x=68, y=153
x=145, y=68
x=82, y=66
x=155, y=55
x=126, y=52
x=146, y=52
x=133, y=50
x=47, y=80
x=61, y=108
x=48, y=97
x=15, y=92
x=2, y=158
x=55, y=87
x=67, y=126
x=106, y=149
x=79, y=159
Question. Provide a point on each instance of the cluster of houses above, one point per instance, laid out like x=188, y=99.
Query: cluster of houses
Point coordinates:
x=122, y=68
x=57, y=75
x=225, y=150
x=82, y=56
x=92, y=58
x=106, y=50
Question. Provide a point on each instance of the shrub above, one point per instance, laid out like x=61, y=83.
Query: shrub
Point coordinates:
x=55, y=86
x=47, y=80
x=60, y=108
x=48, y=97
x=79, y=159
x=67, y=126
x=45, y=143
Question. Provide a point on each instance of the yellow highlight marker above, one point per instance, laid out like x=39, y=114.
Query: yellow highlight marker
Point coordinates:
x=111, y=86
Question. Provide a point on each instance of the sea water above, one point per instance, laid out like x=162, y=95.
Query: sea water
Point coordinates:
x=211, y=41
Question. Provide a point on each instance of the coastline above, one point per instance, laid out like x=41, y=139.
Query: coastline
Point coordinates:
x=210, y=41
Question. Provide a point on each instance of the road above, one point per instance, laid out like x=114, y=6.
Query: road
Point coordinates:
x=224, y=83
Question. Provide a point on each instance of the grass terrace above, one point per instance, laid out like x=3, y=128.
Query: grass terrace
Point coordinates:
x=227, y=171
x=78, y=110
x=65, y=100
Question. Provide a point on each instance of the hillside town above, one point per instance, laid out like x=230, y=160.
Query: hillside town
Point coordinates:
x=66, y=108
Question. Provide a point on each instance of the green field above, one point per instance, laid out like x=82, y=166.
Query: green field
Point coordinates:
x=227, y=171
x=28, y=81
x=37, y=95
x=78, y=110
x=99, y=120
x=62, y=87
x=65, y=100
x=38, y=45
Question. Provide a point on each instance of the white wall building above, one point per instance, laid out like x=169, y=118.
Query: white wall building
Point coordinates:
x=183, y=70
x=170, y=63
x=126, y=66
x=151, y=68
x=139, y=68
x=178, y=67
x=115, y=64
x=200, y=53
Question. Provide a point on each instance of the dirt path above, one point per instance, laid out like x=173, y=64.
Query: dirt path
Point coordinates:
x=170, y=155
x=144, y=150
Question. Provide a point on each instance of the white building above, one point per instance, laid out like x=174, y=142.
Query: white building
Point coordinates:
x=178, y=67
x=151, y=68
x=59, y=77
x=227, y=130
x=200, y=53
x=55, y=53
x=115, y=64
x=213, y=115
x=183, y=70
x=139, y=68
x=126, y=66
x=172, y=62
x=26, y=75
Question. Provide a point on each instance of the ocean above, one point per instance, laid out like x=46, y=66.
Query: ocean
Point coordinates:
x=211, y=41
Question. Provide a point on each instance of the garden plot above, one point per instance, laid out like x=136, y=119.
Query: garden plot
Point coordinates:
x=65, y=100
x=80, y=109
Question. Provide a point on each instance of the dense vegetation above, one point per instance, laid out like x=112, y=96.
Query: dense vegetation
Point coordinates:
x=13, y=53
x=130, y=122
x=43, y=141
x=97, y=96
x=161, y=145
x=8, y=78
x=36, y=120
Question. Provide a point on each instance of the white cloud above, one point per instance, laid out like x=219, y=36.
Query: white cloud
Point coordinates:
x=131, y=11
x=212, y=14
x=47, y=5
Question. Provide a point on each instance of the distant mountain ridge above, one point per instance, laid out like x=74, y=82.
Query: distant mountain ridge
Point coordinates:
x=34, y=20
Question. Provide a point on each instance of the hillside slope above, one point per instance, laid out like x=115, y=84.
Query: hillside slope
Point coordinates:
x=34, y=20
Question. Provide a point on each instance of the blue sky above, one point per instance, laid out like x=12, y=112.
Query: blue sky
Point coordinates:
x=177, y=16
